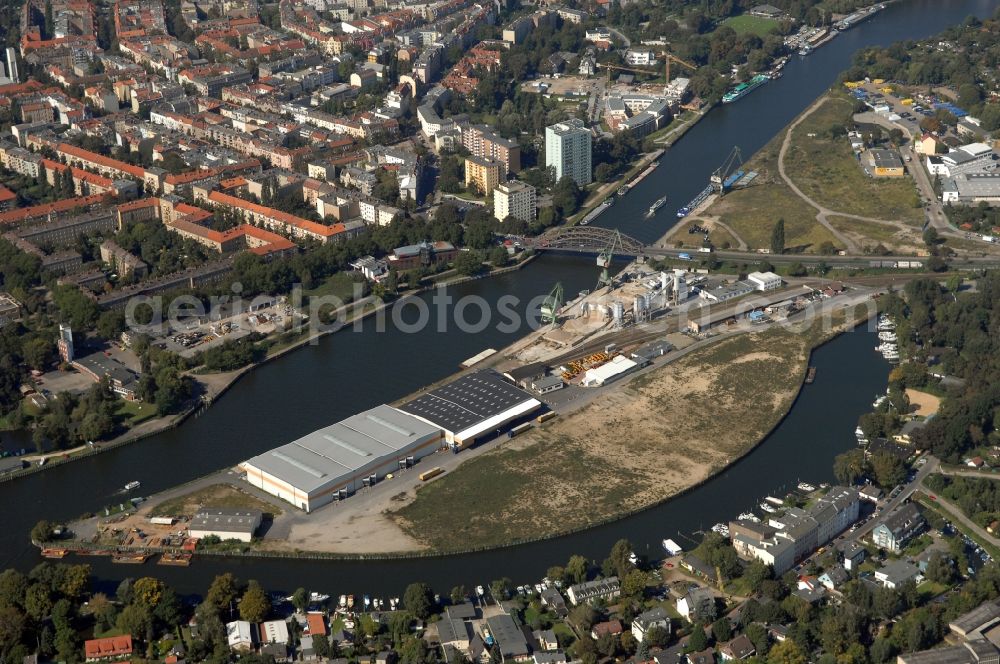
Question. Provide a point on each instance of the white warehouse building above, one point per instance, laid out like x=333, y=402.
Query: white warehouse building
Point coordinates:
x=764, y=281
x=338, y=460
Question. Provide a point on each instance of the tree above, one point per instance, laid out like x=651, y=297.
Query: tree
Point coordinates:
x=566, y=196
x=786, y=652
x=850, y=466
x=498, y=256
x=618, y=561
x=148, y=592
x=300, y=599
x=577, y=568
x=75, y=580
x=633, y=584
x=223, y=590
x=889, y=470
x=756, y=573
x=13, y=585
x=255, y=604
x=38, y=353
x=135, y=619
x=722, y=630
x=657, y=637
x=42, y=532
x=778, y=237
x=469, y=263
x=321, y=645
x=12, y=626
x=698, y=641
x=37, y=601
x=940, y=569
x=419, y=600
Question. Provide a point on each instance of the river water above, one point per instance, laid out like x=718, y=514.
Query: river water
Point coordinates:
x=349, y=371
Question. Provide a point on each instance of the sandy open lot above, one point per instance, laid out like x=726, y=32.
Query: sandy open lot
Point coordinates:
x=921, y=403
x=643, y=442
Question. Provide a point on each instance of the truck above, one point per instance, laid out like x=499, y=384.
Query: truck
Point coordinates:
x=705, y=250
x=684, y=256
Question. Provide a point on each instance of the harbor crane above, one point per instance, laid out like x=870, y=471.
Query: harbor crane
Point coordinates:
x=725, y=176
x=552, y=303
x=605, y=257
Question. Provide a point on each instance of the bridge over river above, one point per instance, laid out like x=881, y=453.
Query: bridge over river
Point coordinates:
x=594, y=240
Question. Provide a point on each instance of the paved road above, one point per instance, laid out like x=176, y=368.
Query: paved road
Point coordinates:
x=956, y=514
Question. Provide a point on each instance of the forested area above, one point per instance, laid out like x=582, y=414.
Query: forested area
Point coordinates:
x=955, y=331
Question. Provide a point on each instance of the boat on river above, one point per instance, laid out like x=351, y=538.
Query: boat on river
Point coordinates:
x=743, y=89
x=132, y=486
x=804, y=486
x=657, y=204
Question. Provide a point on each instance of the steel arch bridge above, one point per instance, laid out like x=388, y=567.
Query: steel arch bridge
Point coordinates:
x=588, y=239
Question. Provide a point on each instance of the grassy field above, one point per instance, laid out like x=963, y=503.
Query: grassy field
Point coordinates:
x=217, y=495
x=827, y=171
x=340, y=284
x=867, y=234
x=752, y=212
x=615, y=455
x=745, y=23
x=136, y=413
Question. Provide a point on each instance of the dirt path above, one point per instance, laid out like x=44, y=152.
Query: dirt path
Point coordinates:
x=709, y=221
x=822, y=212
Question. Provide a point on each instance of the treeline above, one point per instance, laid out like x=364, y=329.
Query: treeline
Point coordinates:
x=978, y=497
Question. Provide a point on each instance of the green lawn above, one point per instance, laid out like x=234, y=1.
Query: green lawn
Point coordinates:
x=827, y=170
x=745, y=23
x=340, y=285
x=135, y=412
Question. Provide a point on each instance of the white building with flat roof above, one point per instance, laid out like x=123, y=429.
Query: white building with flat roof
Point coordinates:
x=338, y=460
x=514, y=199
x=765, y=281
x=568, y=151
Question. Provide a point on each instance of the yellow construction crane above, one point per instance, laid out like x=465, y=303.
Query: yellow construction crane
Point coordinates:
x=667, y=56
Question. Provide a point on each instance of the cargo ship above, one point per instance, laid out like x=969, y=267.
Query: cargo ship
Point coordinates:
x=810, y=375
x=695, y=202
x=744, y=89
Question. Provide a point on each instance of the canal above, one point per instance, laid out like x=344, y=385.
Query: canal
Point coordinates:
x=349, y=371
x=752, y=121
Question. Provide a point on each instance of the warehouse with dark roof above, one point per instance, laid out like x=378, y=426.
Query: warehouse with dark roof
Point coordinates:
x=473, y=406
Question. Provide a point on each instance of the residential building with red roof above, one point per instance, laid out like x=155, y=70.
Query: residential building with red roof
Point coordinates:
x=111, y=648
x=273, y=219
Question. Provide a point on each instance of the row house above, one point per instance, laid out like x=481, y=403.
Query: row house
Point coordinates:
x=273, y=219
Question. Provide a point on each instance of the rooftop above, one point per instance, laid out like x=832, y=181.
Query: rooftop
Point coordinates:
x=470, y=402
x=323, y=455
x=225, y=520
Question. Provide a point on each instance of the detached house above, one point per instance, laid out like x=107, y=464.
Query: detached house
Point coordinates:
x=738, y=649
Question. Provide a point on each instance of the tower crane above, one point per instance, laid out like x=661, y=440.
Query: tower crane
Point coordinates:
x=667, y=56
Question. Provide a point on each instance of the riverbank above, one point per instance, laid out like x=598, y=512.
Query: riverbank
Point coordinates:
x=214, y=385
x=569, y=457
x=649, y=440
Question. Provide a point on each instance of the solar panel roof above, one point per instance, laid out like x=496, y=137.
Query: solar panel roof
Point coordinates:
x=469, y=400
